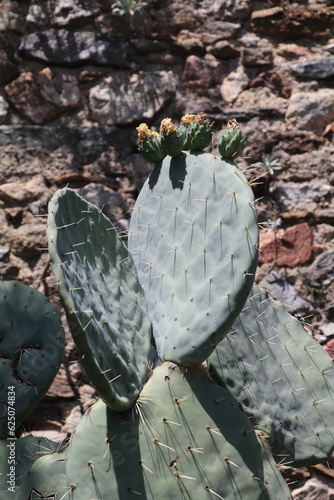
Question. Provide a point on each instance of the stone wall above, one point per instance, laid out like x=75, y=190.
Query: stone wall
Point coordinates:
x=76, y=78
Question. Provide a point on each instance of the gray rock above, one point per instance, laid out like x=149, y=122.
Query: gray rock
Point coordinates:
x=125, y=98
x=294, y=196
x=225, y=50
x=4, y=254
x=285, y=293
x=37, y=15
x=233, y=85
x=321, y=272
x=327, y=330
x=313, y=489
x=76, y=47
x=257, y=56
x=68, y=12
x=3, y=110
x=41, y=97
x=311, y=110
x=318, y=69
x=112, y=204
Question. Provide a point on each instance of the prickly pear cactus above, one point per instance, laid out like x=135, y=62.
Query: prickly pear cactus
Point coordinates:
x=18, y=458
x=193, y=236
x=104, y=302
x=46, y=478
x=31, y=348
x=185, y=439
x=282, y=377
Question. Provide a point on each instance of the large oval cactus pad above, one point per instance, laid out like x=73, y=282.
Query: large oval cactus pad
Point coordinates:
x=193, y=236
x=104, y=302
x=186, y=440
x=282, y=377
x=31, y=348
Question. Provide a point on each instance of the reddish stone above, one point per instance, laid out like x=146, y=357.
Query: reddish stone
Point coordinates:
x=329, y=346
x=287, y=247
x=199, y=74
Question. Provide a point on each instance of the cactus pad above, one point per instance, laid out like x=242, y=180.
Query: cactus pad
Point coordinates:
x=282, y=377
x=104, y=302
x=193, y=237
x=31, y=348
x=186, y=440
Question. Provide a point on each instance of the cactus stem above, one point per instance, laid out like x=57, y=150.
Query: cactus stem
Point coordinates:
x=177, y=474
x=156, y=441
x=215, y=431
x=213, y=492
x=146, y=468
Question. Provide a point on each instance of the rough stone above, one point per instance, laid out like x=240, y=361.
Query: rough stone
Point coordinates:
x=329, y=346
x=125, y=98
x=313, y=489
x=76, y=47
x=277, y=83
x=213, y=31
x=112, y=204
x=66, y=382
x=9, y=16
x=260, y=102
x=3, y=110
x=225, y=50
x=69, y=12
x=286, y=247
x=23, y=192
x=327, y=330
x=293, y=196
x=8, y=69
x=285, y=293
x=199, y=74
x=37, y=15
x=257, y=56
x=311, y=110
x=297, y=21
x=42, y=97
x=321, y=271
x=233, y=85
x=317, y=69
x=292, y=50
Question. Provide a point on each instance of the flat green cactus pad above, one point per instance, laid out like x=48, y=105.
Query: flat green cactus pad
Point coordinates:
x=282, y=377
x=193, y=236
x=31, y=349
x=104, y=302
x=186, y=439
x=17, y=458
